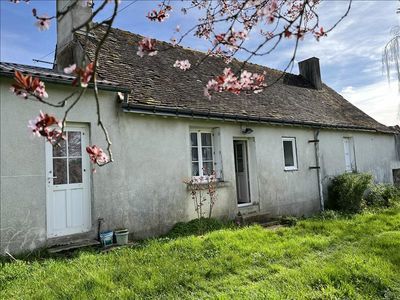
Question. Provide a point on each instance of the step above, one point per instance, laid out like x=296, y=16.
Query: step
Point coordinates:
x=73, y=245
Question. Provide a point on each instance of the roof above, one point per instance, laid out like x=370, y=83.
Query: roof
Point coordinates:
x=158, y=87
x=395, y=128
x=50, y=75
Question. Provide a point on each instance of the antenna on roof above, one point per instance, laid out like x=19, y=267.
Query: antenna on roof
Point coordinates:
x=42, y=61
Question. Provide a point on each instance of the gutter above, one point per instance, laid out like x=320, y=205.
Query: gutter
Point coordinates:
x=318, y=168
x=188, y=113
x=50, y=79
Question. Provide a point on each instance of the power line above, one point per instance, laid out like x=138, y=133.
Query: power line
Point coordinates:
x=126, y=6
x=47, y=54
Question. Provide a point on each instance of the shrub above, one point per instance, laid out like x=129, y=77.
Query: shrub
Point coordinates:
x=329, y=215
x=382, y=195
x=288, y=221
x=197, y=226
x=346, y=191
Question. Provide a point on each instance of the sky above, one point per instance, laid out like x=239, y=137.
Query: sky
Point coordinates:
x=350, y=56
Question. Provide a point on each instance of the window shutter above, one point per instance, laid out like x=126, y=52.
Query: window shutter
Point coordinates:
x=217, y=153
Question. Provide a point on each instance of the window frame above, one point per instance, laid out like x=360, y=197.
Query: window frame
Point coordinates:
x=200, y=152
x=294, y=153
x=352, y=153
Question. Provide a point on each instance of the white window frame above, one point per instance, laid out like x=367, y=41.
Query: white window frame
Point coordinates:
x=294, y=152
x=199, y=151
x=352, y=157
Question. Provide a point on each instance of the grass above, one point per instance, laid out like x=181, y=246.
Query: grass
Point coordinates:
x=326, y=257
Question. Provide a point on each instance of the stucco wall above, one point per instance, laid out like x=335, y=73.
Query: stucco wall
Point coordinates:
x=143, y=190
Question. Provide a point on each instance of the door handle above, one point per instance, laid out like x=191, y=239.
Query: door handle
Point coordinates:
x=52, y=177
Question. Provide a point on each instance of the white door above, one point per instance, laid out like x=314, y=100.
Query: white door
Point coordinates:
x=242, y=172
x=68, y=188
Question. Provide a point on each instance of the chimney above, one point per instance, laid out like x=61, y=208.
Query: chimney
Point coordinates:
x=309, y=69
x=67, y=50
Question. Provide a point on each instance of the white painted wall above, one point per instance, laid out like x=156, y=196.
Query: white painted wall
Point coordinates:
x=143, y=190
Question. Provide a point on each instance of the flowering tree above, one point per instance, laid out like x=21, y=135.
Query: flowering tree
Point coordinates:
x=226, y=25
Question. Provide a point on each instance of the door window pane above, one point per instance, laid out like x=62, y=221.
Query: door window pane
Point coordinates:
x=74, y=143
x=60, y=149
x=60, y=171
x=75, y=170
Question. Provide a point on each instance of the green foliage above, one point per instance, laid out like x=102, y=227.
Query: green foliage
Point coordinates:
x=288, y=221
x=329, y=215
x=346, y=191
x=197, y=227
x=382, y=195
x=356, y=257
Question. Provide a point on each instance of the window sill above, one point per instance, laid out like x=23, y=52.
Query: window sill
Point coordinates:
x=203, y=185
x=290, y=169
x=243, y=205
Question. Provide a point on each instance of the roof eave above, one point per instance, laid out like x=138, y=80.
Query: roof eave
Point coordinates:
x=101, y=86
x=188, y=113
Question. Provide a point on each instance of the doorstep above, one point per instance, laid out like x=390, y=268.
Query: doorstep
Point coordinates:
x=73, y=245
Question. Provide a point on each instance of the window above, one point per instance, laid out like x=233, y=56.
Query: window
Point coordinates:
x=349, y=156
x=289, y=153
x=202, y=153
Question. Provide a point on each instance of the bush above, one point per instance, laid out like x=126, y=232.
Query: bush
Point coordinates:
x=288, y=221
x=196, y=227
x=346, y=191
x=382, y=195
x=329, y=215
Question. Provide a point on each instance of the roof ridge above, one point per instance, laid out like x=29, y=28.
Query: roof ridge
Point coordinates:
x=194, y=50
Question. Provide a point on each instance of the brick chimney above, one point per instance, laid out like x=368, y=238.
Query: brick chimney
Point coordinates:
x=67, y=50
x=310, y=70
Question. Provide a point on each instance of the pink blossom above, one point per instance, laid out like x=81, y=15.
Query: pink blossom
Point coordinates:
x=320, y=33
x=87, y=3
x=43, y=22
x=160, y=15
x=228, y=81
x=40, y=127
x=146, y=46
x=97, y=155
x=28, y=85
x=70, y=69
x=182, y=64
x=40, y=91
x=85, y=75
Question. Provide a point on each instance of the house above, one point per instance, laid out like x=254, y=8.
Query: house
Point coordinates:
x=273, y=152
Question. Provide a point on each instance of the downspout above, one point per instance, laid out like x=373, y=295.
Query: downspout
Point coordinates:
x=318, y=167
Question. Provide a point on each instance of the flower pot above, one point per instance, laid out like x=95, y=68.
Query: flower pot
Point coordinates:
x=121, y=236
x=106, y=238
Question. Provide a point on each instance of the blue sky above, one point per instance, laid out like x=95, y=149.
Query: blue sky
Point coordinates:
x=350, y=56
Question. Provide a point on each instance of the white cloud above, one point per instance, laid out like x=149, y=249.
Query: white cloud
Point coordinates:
x=379, y=100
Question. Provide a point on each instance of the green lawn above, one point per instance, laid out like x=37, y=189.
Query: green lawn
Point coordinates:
x=355, y=257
